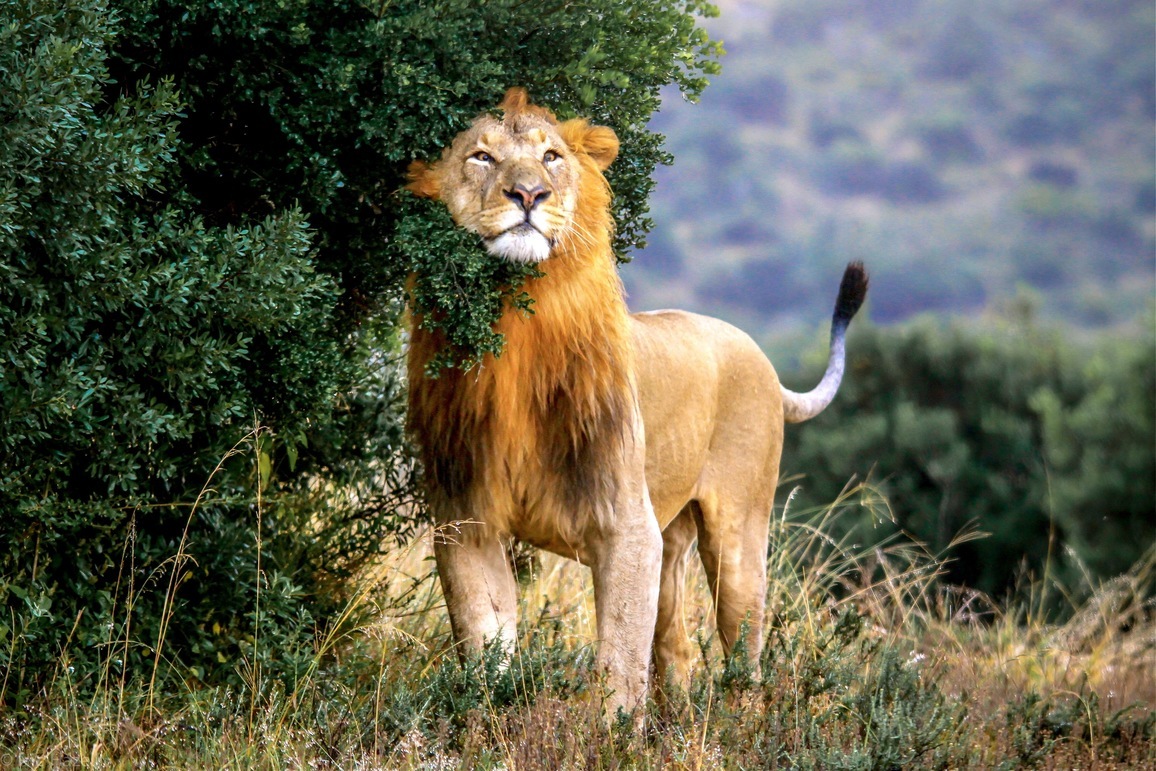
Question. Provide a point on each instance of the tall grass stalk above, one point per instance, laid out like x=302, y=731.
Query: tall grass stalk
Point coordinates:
x=178, y=560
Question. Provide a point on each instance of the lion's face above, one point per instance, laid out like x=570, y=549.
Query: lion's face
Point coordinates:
x=516, y=180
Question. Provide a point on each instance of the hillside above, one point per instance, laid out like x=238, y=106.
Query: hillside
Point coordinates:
x=969, y=152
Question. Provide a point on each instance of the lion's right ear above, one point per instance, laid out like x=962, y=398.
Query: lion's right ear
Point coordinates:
x=423, y=180
x=599, y=142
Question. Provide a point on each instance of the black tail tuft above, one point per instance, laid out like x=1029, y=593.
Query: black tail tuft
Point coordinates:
x=852, y=292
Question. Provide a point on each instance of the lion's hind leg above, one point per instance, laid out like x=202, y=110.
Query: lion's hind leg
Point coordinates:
x=672, y=646
x=478, y=584
x=732, y=543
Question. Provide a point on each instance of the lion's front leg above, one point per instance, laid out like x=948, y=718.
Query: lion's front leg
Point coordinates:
x=478, y=584
x=627, y=560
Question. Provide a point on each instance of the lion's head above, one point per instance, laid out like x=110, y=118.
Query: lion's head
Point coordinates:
x=518, y=180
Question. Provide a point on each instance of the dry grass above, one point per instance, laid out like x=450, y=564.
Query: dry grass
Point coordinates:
x=870, y=663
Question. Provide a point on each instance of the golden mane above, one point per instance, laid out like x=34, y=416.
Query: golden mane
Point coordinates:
x=539, y=427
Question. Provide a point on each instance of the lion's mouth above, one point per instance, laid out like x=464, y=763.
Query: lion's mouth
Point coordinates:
x=521, y=243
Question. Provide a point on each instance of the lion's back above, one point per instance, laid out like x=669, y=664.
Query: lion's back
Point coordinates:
x=674, y=343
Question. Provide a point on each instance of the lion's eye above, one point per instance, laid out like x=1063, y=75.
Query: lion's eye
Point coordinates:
x=550, y=156
x=481, y=156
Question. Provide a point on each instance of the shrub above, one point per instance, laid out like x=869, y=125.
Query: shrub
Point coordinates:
x=1012, y=431
x=132, y=333
x=199, y=400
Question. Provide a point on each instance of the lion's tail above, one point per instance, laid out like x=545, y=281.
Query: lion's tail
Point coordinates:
x=799, y=407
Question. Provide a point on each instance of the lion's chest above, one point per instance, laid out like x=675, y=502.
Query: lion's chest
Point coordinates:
x=543, y=432
x=531, y=440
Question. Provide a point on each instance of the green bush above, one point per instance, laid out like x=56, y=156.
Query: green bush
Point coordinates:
x=139, y=342
x=200, y=407
x=1043, y=443
x=830, y=696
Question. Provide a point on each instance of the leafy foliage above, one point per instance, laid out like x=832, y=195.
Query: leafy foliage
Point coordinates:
x=201, y=272
x=131, y=333
x=323, y=104
x=456, y=287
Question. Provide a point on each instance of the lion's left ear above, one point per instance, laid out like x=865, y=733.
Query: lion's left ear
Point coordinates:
x=423, y=180
x=599, y=142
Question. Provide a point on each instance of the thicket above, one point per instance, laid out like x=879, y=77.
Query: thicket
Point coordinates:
x=197, y=255
x=1041, y=442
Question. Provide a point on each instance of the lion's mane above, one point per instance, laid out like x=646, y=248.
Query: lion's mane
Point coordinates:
x=540, y=427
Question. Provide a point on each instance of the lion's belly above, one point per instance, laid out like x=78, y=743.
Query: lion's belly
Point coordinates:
x=677, y=447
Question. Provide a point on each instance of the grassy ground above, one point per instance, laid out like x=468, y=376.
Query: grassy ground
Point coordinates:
x=868, y=665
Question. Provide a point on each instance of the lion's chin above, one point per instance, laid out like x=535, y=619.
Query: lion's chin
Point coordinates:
x=522, y=244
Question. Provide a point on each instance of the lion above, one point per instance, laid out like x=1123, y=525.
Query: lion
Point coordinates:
x=612, y=438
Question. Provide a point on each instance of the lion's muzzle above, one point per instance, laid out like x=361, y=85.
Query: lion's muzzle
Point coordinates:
x=522, y=243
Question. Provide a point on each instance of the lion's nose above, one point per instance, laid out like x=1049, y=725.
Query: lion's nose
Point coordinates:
x=527, y=197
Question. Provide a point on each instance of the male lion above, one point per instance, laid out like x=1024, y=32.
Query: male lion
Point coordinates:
x=610, y=438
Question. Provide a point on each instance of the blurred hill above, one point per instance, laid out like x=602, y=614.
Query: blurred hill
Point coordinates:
x=969, y=151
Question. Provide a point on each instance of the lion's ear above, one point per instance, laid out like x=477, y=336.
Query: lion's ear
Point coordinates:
x=602, y=145
x=423, y=180
x=514, y=101
x=599, y=142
